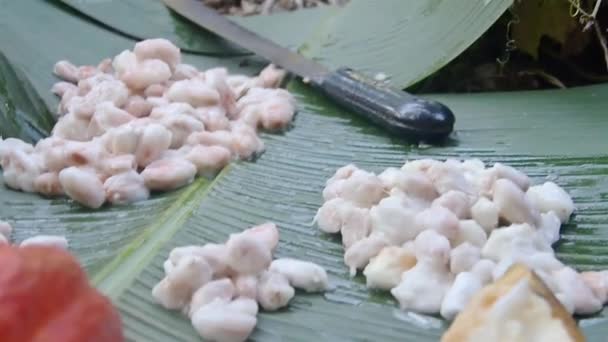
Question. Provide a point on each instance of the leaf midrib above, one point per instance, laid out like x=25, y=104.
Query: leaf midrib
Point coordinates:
x=114, y=278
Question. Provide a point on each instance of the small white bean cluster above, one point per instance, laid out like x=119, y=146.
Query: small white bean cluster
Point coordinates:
x=39, y=240
x=219, y=286
x=434, y=233
x=144, y=121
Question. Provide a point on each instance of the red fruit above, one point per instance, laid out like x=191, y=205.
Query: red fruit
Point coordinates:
x=45, y=296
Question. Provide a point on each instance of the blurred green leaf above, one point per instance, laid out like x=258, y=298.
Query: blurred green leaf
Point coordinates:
x=22, y=113
x=538, y=19
x=394, y=37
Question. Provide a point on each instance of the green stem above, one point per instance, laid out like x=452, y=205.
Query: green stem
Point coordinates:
x=119, y=273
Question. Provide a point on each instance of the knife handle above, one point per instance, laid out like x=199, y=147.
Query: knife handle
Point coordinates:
x=399, y=112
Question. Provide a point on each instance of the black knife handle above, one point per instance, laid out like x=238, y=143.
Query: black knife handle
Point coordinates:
x=399, y=112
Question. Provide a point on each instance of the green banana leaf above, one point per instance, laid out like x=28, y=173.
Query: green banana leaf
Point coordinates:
x=154, y=19
x=395, y=37
x=555, y=134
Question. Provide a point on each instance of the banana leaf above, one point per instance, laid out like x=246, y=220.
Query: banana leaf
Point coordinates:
x=558, y=135
x=154, y=19
x=390, y=36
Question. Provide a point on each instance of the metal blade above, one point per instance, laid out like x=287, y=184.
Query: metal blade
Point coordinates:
x=198, y=13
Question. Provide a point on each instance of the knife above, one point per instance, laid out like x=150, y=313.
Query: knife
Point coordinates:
x=399, y=112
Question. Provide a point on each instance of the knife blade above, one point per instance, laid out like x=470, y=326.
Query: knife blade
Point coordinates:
x=399, y=112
